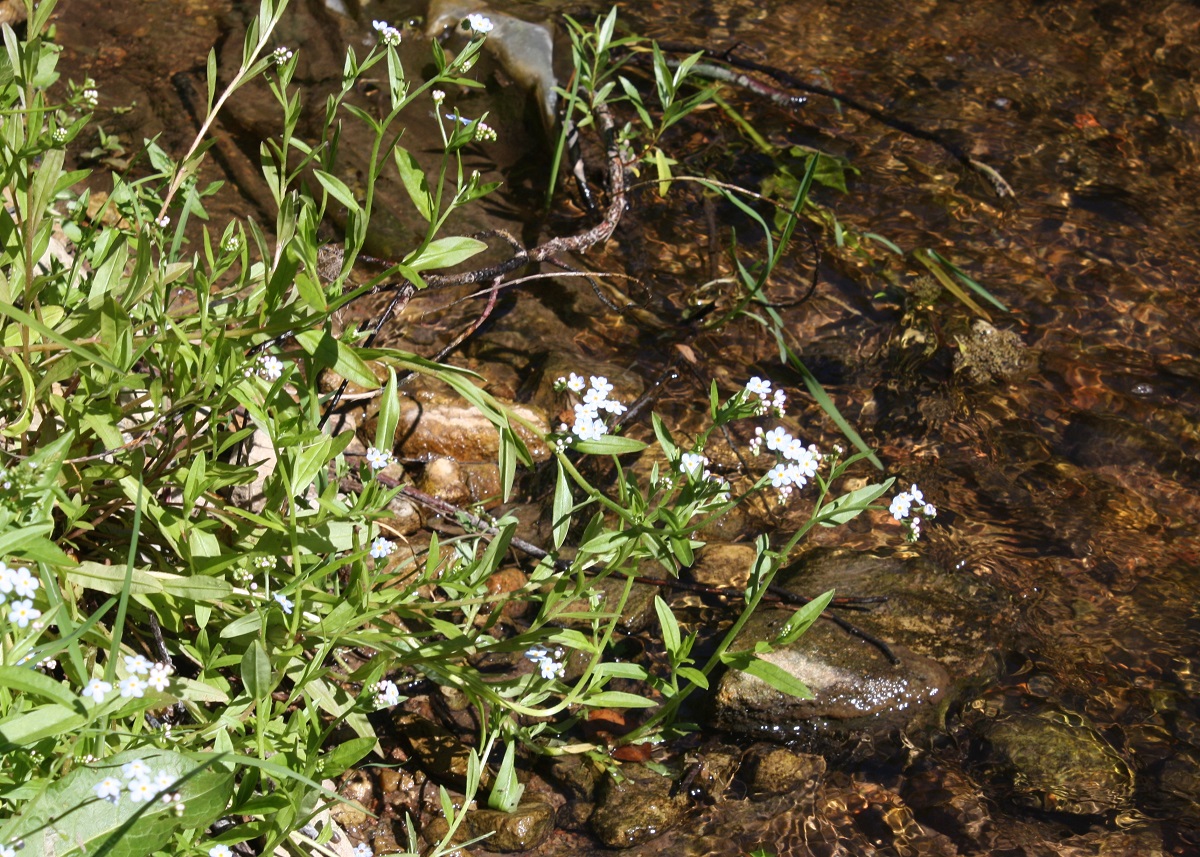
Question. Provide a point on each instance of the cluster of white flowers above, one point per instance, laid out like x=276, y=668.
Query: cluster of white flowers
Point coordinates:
x=478, y=25
x=19, y=582
x=90, y=96
x=156, y=676
x=439, y=96
x=142, y=783
x=549, y=663
x=164, y=221
x=281, y=55
x=388, y=34
x=233, y=244
x=588, y=424
x=11, y=849
x=386, y=694
x=382, y=548
x=270, y=367
x=799, y=462
x=59, y=135
x=378, y=458
x=902, y=508
x=767, y=400
x=485, y=132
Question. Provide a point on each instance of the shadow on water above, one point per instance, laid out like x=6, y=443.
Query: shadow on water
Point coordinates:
x=1074, y=487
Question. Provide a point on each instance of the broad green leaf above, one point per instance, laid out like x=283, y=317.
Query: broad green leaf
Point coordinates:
x=609, y=444
x=346, y=754
x=337, y=189
x=257, y=675
x=850, y=506
x=389, y=414
x=68, y=817
x=330, y=353
x=414, y=182
x=563, y=503
x=33, y=682
x=668, y=623
x=778, y=678
x=619, y=699
x=802, y=619
x=32, y=726
x=248, y=624
x=445, y=253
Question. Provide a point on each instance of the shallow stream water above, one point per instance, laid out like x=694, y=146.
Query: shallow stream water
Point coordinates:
x=1074, y=488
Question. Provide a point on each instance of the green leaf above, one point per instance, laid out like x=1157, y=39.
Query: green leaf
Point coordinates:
x=33, y=682
x=851, y=505
x=32, y=726
x=694, y=676
x=506, y=790
x=778, y=678
x=619, y=699
x=68, y=818
x=389, y=414
x=330, y=353
x=802, y=619
x=337, y=189
x=257, y=675
x=609, y=444
x=414, y=182
x=664, y=437
x=445, y=253
x=669, y=625
x=563, y=503
x=346, y=754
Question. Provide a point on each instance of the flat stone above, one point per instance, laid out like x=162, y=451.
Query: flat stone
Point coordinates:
x=635, y=809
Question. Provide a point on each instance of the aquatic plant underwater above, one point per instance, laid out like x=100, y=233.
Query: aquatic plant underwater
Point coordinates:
x=185, y=663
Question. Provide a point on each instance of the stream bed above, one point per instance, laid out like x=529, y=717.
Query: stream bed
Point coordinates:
x=1066, y=468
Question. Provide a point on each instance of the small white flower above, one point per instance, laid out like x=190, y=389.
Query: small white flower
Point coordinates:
x=805, y=461
x=551, y=669
x=135, y=770
x=692, y=464
x=23, y=612
x=917, y=497
x=91, y=97
x=929, y=510
x=162, y=781
x=613, y=406
x=386, y=694
x=575, y=383
x=901, y=506
x=281, y=55
x=140, y=790
x=270, y=367
x=479, y=25
x=594, y=397
x=109, y=789
x=378, y=458
x=757, y=386
x=220, y=851
x=137, y=664
x=485, y=132
x=362, y=849
x=382, y=547
x=284, y=602
x=438, y=97
x=601, y=385
x=164, y=221
x=777, y=438
x=24, y=584
x=158, y=679
x=537, y=653
x=132, y=686
x=388, y=34
x=263, y=562
x=779, y=402
x=779, y=476
x=96, y=689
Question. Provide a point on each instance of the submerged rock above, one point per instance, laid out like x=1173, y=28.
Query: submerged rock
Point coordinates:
x=1055, y=761
x=988, y=354
x=942, y=627
x=635, y=808
x=520, y=830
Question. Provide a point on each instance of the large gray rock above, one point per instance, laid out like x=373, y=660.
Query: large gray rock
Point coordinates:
x=941, y=626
